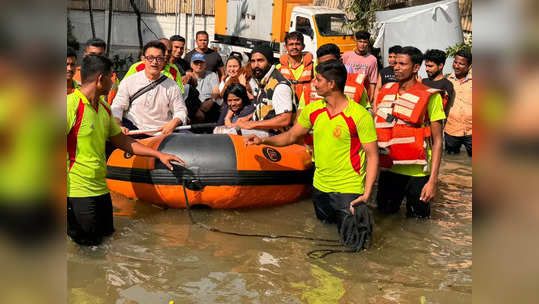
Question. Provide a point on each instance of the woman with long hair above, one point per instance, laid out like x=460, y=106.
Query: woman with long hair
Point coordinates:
x=238, y=106
x=235, y=73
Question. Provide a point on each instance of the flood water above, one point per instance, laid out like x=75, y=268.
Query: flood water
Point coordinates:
x=157, y=256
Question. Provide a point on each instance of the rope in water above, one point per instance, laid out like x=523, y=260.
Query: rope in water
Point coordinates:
x=354, y=237
x=270, y=236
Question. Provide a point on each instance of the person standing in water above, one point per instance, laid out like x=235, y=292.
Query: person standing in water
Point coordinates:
x=89, y=125
x=345, y=147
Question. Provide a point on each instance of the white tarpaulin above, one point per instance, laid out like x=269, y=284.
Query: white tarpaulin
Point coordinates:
x=431, y=26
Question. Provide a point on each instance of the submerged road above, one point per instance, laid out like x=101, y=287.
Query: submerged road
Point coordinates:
x=157, y=256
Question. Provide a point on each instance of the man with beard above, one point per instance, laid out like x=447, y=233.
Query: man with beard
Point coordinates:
x=408, y=120
x=434, y=65
x=274, y=102
x=297, y=66
x=161, y=107
x=346, y=152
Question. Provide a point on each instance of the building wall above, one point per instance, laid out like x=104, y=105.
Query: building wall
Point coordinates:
x=124, y=26
x=124, y=37
x=202, y=7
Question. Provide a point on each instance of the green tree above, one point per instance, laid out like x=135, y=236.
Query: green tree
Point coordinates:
x=364, y=14
x=453, y=50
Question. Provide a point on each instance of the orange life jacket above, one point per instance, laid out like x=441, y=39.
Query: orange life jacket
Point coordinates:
x=354, y=86
x=402, y=124
x=303, y=84
x=353, y=89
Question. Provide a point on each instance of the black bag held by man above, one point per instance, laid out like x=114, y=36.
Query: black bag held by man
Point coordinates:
x=356, y=229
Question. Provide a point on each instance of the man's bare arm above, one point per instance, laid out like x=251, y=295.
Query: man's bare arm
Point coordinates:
x=372, y=158
x=371, y=92
x=284, y=139
x=280, y=121
x=132, y=146
x=429, y=190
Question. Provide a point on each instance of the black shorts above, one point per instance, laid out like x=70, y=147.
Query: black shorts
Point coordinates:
x=332, y=207
x=89, y=219
x=393, y=187
x=453, y=144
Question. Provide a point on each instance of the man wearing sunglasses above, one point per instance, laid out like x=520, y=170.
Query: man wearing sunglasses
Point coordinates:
x=149, y=99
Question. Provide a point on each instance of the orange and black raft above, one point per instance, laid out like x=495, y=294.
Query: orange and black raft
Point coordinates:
x=220, y=172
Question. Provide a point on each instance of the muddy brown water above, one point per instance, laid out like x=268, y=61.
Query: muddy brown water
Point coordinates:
x=157, y=256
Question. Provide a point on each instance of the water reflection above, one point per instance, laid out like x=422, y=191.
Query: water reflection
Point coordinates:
x=156, y=255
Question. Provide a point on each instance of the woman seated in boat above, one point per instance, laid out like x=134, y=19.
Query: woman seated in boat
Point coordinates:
x=238, y=107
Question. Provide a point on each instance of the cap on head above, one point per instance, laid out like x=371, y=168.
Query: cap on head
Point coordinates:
x=198, y=57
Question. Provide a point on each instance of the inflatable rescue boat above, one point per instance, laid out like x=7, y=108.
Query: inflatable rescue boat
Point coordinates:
x=220, y=172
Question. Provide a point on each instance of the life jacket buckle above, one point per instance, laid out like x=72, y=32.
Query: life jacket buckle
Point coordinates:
x=390, y=118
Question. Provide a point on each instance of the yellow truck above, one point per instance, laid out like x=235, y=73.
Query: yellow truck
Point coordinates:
x=242, y=24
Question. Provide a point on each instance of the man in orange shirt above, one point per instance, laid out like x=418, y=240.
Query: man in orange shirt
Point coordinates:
x=458, y=129
x=97, y=46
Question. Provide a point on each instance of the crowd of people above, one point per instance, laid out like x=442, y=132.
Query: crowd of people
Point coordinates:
x=353, y=118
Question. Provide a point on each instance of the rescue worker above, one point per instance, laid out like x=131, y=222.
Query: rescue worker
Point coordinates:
x=346, y=153
x=170, y=70
x=408, y=121
x=297, y=66
x=97, y=46
x=274, y=100
x=353, y=89
x=89, y=125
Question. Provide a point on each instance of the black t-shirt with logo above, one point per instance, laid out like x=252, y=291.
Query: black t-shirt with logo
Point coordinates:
x=387, y=75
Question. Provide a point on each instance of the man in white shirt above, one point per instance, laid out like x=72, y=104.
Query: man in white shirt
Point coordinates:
x=160, y=108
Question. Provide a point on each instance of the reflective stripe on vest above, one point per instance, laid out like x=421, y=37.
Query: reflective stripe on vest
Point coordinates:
x=301, y=86
x=352, y=89
x=399, y=125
